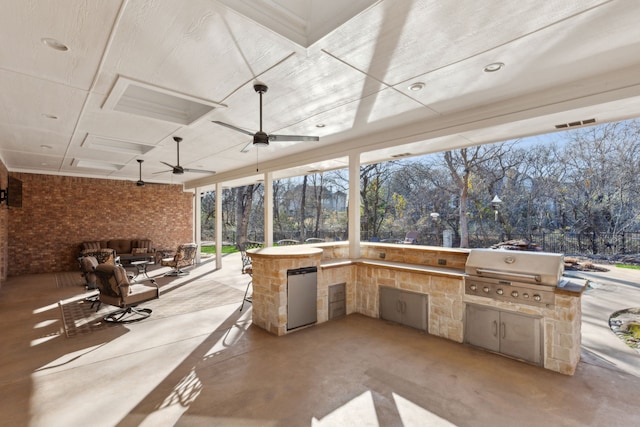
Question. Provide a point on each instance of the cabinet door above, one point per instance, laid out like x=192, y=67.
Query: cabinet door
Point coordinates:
x=390, y=304
x=520, y=337
x=482, y=327
x=414, y=310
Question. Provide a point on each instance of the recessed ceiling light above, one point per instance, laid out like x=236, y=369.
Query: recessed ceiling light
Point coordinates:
x=46, y=147
x=44, y=164
x=493, y=67
x=416, y=86
x=320, y=125
x=49, y=116
x=55, y=44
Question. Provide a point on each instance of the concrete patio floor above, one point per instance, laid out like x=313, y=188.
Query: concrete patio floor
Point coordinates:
x=211, y=367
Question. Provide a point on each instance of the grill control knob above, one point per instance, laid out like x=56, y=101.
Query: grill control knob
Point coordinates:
x=537, y=297
x=499, y=291
x=486, y=289
x=514, y=294
x=473, y=287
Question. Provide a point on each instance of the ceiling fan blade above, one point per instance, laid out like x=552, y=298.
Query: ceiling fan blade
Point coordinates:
x=165, y=163
x=247, y=147
x=237, y=129
x=293, y=138
x=198, y=171
x=156, y=173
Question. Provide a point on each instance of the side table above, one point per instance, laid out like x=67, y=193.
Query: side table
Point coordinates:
x=141, y=267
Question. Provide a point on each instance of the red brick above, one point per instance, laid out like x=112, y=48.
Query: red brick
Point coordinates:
x=58, y=213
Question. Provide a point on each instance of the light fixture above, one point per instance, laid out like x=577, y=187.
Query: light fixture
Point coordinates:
x=495, y=203
x=46, y=147
x=414, y=87
x=320, y=125
x=55, y=44
x=493, y=67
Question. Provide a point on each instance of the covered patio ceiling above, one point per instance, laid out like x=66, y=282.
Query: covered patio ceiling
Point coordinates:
x=89, y=87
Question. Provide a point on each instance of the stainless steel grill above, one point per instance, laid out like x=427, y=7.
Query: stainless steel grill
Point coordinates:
x=514, y=276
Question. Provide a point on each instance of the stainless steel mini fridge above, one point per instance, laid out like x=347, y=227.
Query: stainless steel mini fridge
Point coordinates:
x=302, y=297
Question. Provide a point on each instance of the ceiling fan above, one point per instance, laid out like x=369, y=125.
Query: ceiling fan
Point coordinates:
x=140, y=182
x=177, y=169
x=261, y=138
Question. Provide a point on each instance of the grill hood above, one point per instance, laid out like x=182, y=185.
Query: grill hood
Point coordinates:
x=541, y=268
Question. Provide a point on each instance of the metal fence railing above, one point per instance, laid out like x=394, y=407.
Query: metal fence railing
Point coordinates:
x=556, y=242
x=566, y=243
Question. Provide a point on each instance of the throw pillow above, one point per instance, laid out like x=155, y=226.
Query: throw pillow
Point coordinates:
x=138, y=251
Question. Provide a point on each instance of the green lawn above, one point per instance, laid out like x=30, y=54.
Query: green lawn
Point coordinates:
x=212, y=249
x=633, y=267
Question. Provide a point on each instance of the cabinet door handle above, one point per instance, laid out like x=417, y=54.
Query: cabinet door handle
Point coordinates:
x=399, y=306
x=404, y=307
x=504, y=330
x=495, y=328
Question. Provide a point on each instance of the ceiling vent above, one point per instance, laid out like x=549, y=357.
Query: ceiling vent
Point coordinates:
x=116, y=145
x=94, y=164
x=575, y=124
x=130, y=96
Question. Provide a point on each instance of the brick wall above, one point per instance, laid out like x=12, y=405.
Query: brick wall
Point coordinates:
x=4, y=227
x=60, y=212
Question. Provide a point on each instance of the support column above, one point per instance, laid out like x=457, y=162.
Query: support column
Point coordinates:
x=268, y=209
x=354, y=206
x=218, y=221
x=197, y=221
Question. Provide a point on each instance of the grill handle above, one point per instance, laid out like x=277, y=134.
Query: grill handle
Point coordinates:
x=535, y=277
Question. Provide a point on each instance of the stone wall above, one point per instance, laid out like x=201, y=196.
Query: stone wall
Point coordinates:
x=269, y=301
x=60, y=212
x=446, y=309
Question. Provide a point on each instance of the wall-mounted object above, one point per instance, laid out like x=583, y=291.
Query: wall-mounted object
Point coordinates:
x=13, y=194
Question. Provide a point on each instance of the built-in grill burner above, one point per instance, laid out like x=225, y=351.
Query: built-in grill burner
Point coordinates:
x=514, y=276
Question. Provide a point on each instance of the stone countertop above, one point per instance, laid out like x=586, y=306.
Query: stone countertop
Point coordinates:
x=572, y=285
x=293, y=251
x=416, y=268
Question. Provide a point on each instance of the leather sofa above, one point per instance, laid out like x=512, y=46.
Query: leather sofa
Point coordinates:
x=127, y=249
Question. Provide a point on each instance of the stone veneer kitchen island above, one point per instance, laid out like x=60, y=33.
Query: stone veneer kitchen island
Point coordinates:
x=437, y=273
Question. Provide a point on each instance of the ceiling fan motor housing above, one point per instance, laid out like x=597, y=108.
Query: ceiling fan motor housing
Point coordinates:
x=261, y=138
x=260, y=87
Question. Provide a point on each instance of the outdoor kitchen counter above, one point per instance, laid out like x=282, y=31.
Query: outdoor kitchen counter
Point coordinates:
x=407, y=267
x=572, y=286
x=295, y=251
x=270, y=282
x=395, y=265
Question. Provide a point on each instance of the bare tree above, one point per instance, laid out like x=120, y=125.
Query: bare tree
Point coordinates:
x=244, y=200
x=375, y=197
x=462, y=165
